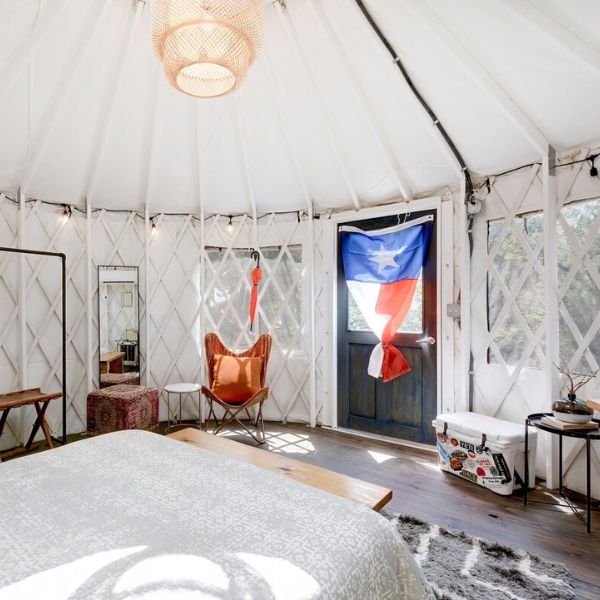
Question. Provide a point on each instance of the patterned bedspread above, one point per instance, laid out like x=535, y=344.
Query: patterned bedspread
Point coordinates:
x=133, y=515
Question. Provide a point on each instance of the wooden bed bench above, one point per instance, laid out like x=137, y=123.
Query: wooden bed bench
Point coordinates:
x=373, y=496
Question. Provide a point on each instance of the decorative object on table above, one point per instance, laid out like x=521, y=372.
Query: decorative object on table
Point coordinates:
x=256, y=277
x=457, y=565
x=182, y=389
x=484, y=450
x=381, y=269
x=588, y=435
x=120, y=407
x=571, y=410
x=552, y=421
x=207, y=47
x=237, y=383
x=593, y=404
x=126, y=299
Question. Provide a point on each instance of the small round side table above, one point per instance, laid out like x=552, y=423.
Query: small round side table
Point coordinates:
x=181, y=389
x=587, y=435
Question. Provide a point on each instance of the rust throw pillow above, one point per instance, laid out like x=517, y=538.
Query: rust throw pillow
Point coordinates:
x=236, y=379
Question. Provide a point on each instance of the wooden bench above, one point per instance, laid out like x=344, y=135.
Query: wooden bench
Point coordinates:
x=369, y=494
x=23, y=398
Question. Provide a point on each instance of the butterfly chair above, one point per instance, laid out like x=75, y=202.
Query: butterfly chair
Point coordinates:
x=237, y=383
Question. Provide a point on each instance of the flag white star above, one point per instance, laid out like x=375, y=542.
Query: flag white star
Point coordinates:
x=385, y=258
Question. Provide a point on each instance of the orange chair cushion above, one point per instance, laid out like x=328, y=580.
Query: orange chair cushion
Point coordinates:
x=236, y=379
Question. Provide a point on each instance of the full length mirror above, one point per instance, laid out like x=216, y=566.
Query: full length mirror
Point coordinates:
x=118, y=325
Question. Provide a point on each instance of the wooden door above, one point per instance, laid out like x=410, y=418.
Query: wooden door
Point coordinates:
x=404, y=407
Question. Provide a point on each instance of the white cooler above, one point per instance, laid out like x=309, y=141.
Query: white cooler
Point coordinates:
x=484, y=450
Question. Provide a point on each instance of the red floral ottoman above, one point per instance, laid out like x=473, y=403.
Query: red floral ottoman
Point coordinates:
x=108, y=379
x=122, y=407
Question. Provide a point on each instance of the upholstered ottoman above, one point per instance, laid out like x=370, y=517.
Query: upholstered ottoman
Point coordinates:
x=122, y=407
x=108, y=379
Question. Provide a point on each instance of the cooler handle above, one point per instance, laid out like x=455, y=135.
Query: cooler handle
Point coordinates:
x=481, y=448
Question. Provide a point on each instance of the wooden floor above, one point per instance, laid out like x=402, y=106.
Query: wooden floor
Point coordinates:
x=423, y=491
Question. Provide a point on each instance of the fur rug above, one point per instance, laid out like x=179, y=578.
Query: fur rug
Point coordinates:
x=458, y=566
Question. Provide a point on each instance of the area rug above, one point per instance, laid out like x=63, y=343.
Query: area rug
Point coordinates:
x=458, y=566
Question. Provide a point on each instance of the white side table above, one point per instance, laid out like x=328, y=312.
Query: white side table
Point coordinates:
x=181, y=389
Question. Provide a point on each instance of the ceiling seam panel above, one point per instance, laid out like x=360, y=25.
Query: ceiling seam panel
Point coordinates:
x=292, y=35
x=242, y=136
x=480, y=75
x=61, y=93
x=104, y=123
x=538, y=16
x=275, y=89
x=399, y=176
x=438, y=134
x=27, y=49
x=150, y=153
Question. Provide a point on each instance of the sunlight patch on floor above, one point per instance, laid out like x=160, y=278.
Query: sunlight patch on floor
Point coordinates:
x=379, y=457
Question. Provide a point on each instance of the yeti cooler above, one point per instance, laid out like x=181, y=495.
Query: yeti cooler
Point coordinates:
x=484, y=450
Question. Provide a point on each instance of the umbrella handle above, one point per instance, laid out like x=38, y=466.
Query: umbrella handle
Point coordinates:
x=255, y=255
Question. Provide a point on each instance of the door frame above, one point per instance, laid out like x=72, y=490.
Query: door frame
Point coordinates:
x=444, y=215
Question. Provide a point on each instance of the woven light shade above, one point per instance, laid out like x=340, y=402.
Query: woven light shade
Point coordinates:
x=207, y=46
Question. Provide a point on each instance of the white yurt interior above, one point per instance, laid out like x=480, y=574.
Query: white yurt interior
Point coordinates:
x=300, y=299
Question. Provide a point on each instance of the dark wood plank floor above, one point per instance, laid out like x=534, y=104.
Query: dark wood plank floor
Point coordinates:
x=423, y=491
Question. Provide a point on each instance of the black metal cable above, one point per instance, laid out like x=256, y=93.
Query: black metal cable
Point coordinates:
x=413, y=88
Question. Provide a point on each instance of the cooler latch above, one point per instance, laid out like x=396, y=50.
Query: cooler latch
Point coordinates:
x=481, y=448
x=445, y=430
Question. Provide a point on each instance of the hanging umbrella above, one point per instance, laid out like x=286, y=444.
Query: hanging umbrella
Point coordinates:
x=256, y=277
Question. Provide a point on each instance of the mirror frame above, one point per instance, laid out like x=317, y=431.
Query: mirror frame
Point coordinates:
x=137, y=300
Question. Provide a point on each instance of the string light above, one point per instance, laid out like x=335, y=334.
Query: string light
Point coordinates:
x=153, y=230
x=67, y=212
x=230, y=225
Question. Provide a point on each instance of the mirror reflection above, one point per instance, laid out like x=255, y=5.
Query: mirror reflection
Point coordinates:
x=118, y=324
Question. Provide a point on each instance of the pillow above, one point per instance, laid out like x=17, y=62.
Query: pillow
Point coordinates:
x=236, y=379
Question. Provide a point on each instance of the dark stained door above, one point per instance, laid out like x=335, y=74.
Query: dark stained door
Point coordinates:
x=404, y=407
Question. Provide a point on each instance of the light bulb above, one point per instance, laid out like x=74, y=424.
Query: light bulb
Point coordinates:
x=230, y=225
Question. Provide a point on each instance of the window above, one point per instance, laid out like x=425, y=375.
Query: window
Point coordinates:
x=579, y=282
x=280, y=293
x=516, y=274
x=412, y=324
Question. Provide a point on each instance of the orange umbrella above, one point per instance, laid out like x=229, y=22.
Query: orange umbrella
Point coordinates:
x=256, y=277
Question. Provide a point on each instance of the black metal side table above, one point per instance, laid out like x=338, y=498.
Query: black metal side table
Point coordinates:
x=535, y=420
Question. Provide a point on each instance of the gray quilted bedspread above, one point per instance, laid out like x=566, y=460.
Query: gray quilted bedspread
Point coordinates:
x=133, y=515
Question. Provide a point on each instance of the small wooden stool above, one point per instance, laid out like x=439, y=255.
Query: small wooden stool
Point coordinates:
x=32, y=396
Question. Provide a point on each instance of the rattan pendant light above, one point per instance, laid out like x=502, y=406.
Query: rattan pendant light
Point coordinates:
x=207, y=46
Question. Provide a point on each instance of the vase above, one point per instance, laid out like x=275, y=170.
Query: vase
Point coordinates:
x=572, y=410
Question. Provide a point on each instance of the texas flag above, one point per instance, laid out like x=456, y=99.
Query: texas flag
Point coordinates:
x=381, y=269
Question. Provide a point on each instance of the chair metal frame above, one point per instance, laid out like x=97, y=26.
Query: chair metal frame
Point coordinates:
x=261, y=349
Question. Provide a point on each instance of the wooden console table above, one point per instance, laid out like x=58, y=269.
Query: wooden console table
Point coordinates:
x=369, y=494
x=112, y=362
x=23, y=398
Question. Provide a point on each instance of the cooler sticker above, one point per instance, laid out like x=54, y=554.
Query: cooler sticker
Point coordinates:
x=486, y=463
x=467, y=446
x=458, y=457
x=471, y=454
x=443, y=452
x=468, y=475
x=454, y=442
x=502, y=467
x=480, y=472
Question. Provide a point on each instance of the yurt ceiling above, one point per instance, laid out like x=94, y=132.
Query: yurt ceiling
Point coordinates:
x=325, y=116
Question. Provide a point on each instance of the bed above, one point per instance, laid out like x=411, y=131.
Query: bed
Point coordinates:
x=135, y=515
